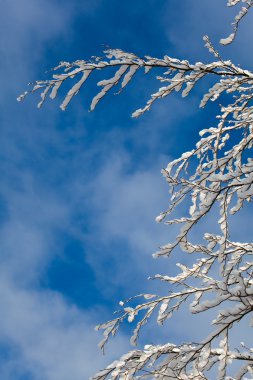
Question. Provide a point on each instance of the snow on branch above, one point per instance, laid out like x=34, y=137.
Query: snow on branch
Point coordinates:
x=242, y=13
x=216, y=174
x=190, y=361
x=178, y=75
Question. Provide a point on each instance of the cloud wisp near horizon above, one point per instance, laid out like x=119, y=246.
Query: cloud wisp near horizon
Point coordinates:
x=80, y=191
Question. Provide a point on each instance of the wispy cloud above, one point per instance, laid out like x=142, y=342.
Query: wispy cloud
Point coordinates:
x=42, y=336
x=50, y=339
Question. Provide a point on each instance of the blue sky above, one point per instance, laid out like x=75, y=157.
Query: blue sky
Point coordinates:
x=80, y=191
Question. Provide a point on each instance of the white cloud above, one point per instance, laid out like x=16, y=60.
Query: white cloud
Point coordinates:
x=128, y=202
x=26, y=27
x=45, y=337
x=49, y=338
x=53, y=340
x=27, y=232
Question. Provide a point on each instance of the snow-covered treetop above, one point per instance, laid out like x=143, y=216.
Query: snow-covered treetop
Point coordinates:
x=220, y=174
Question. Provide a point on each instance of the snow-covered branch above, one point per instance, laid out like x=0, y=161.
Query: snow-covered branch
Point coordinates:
x=217, y=174
x=246, y=5
x=179, y=75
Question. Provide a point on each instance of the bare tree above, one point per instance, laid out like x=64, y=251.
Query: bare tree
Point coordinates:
x=220, y=175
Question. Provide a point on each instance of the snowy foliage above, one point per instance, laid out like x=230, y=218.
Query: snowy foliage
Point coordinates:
x=221, y=176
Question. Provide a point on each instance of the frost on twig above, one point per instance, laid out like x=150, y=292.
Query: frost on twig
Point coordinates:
x=178, y=75
x=247, y=4
x=220, y=174
x=216, y=173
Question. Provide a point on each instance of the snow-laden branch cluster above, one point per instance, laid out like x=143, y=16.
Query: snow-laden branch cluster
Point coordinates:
x=233, y=288
x=178, y=75
x=220, y=174
x=216, y=174
x=246, y=5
